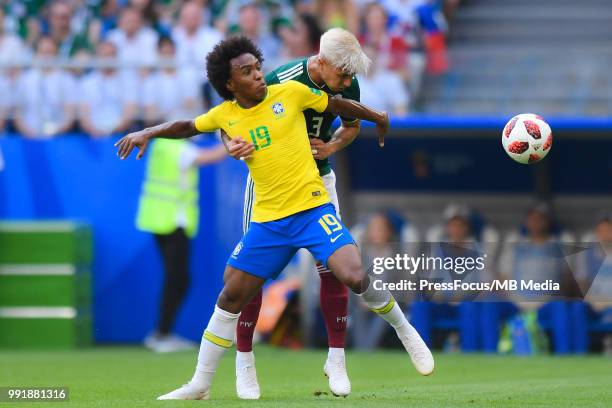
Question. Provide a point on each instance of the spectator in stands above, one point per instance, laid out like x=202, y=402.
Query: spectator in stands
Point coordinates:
x=404, y=21
x=454, y=240
x=462, y=236
x=302, y=38
x=46, y=96
x=168, y=12
x=26, y=19
x=136, y=44
x=383, y=89
x=60, y=30
x=85, y=22
x=193, y=38
x=108, y=16
x=595, y=266
x=12, y=49
x=594, y=274
x=148, y=12
x=380, y=240
x=337, y=13
x=109, y=97
x=391, y=50
x=536, y=254
x=170, y=94
x=449, y=8
x=252, y=25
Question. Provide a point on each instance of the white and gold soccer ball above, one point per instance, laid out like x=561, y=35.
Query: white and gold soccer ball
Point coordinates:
x=527, y=138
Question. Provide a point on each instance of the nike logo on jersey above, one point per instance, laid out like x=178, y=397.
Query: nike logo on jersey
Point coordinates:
x=232, y=122
x=334, y=239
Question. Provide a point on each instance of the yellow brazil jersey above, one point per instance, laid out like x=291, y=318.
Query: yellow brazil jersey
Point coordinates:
x=283, y=170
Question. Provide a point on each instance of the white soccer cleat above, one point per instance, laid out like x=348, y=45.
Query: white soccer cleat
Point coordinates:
x=247, y=386
x=186, y=392
x=417, y=349
x=335, y=370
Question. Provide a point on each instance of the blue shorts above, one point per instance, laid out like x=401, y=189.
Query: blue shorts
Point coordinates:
x=267, y=247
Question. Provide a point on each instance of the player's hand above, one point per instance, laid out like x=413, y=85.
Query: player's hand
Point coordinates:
x=240, y=149
x=320, y=149
x=127, y=143
x=382, y=127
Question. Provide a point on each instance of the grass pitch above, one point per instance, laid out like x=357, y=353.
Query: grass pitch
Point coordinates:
x=134, y=377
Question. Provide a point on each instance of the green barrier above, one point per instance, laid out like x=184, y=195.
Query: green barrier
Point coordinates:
x=45, y=243
x=45, y=332
x=45, y=284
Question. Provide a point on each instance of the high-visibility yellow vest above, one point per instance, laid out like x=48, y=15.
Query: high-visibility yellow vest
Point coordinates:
x=169, y=195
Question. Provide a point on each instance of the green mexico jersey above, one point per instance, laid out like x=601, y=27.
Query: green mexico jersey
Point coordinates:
x=318, y=124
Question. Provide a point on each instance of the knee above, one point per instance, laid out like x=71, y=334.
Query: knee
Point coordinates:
x=229, y=301
x=353, y=276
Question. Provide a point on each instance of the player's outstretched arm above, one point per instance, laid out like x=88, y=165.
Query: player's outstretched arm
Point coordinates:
x=179, y=129
x=353, y=109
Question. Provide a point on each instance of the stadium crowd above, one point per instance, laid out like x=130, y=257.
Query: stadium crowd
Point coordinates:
x=102, y=66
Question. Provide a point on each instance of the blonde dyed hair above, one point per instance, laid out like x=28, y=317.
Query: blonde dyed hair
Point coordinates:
x=341, y=49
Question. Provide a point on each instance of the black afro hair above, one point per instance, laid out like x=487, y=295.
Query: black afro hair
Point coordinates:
x=218, y=61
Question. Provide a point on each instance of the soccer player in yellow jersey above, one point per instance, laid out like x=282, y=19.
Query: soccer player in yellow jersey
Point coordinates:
x=292, y=208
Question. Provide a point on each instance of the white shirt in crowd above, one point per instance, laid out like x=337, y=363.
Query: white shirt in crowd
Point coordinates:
x=384, y=90
x=191, y=51
x=107, y=96
x=42, y=97
x=141, y=49
x=173, y=95
x=12, y=49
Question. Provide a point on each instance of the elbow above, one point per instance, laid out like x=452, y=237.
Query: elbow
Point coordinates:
x=356, y=127
x=333, y=106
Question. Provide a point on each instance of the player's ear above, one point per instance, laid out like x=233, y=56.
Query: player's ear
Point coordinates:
x=229, y=85
x=321, y=61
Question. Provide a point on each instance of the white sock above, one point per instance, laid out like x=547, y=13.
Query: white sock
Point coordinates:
x=335, y=353
x=218, y=337
x=245, y=359
x=406, y=330
x=382, y=303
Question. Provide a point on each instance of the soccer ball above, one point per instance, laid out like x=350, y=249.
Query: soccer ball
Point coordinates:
x=527, y=138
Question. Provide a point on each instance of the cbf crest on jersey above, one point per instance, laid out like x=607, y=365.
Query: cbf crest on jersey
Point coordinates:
x=278, y=109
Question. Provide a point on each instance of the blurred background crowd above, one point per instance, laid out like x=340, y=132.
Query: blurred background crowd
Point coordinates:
x=101, y=66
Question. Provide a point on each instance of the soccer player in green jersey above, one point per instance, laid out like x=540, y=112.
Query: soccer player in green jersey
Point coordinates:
x=333, y=70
